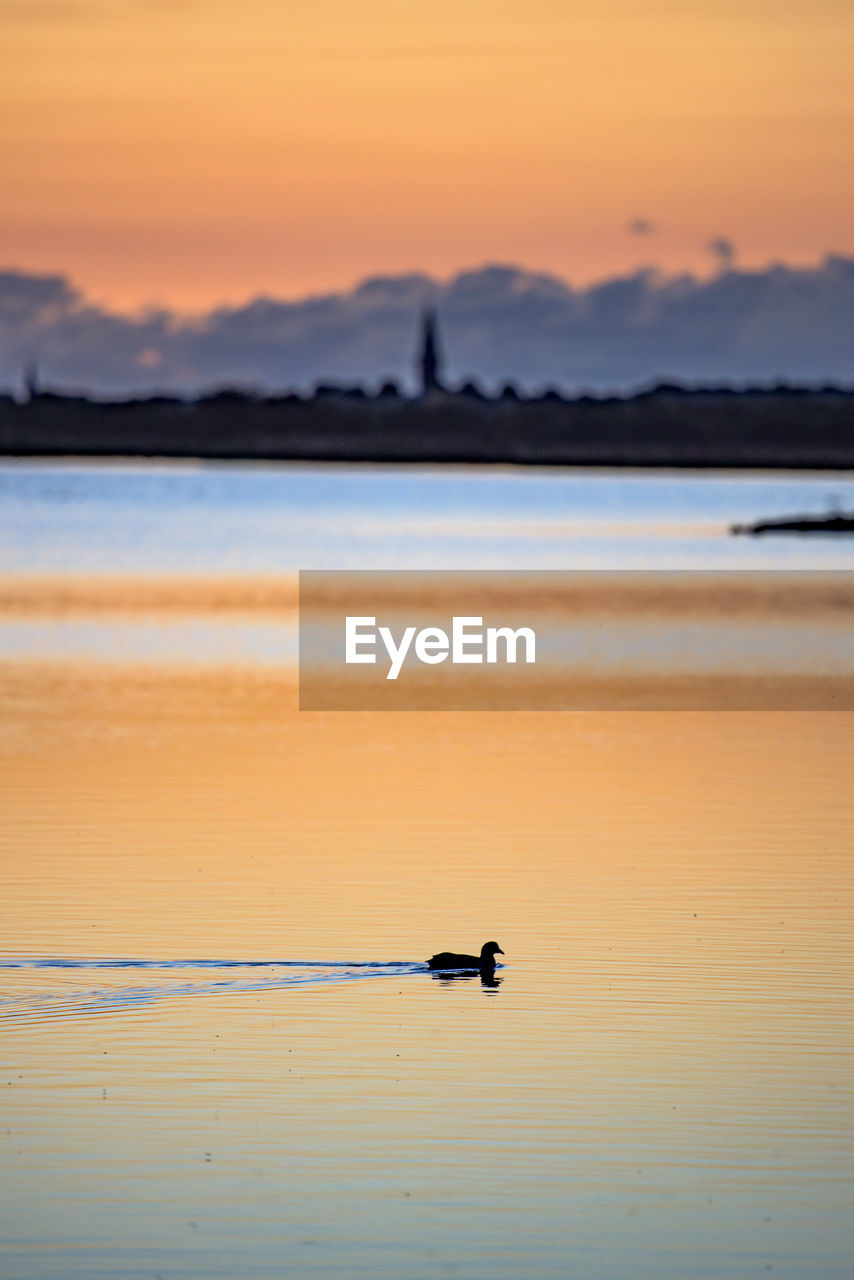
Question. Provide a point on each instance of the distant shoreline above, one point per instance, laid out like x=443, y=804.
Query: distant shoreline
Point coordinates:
x=835, y=523
x=595, y=464
x=786, y=428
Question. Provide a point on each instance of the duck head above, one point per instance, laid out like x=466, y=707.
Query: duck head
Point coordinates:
x=488, y=952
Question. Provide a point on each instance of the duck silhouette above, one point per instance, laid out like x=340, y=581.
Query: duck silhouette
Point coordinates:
x=485, y=962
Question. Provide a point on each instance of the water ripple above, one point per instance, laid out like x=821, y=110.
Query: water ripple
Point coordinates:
x=26, y=1007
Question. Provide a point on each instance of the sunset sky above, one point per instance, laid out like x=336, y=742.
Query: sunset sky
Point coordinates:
x=191, y=151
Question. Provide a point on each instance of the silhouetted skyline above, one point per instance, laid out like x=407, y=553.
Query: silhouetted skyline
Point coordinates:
x=499, y=324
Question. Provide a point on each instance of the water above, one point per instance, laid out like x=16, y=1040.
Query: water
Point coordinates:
x=226, y=519
x=222, y=1052
x=205, y=528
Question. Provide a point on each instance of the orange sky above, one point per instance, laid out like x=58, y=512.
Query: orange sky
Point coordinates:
x=196, y=150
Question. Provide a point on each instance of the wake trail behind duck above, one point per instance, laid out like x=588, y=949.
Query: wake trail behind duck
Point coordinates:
x=78, y=962
x=23, y=1004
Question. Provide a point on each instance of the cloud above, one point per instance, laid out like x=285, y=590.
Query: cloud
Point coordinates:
x=498, y=323
x=723, y=251
x=30, y=299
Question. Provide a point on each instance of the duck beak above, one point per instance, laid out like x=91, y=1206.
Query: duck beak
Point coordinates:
x=498, y=951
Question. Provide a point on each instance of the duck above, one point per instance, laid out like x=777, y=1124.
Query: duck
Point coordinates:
x=455, y=960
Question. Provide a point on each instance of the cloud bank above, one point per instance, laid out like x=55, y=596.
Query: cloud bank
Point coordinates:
x=498, y=324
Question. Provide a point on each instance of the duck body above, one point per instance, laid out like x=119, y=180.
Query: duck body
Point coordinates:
x=458, y=960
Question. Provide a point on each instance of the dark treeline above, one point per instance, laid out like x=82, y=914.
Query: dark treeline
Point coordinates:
x=665, y=426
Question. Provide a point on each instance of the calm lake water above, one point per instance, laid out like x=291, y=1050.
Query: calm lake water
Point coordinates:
x=146, y=518
x=222, y=1054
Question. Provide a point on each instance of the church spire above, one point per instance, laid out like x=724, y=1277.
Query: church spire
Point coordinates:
x=429, y=359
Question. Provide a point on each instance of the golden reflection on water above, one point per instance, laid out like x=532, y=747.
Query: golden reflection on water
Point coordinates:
x=203, y=808
x=660, y=1086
